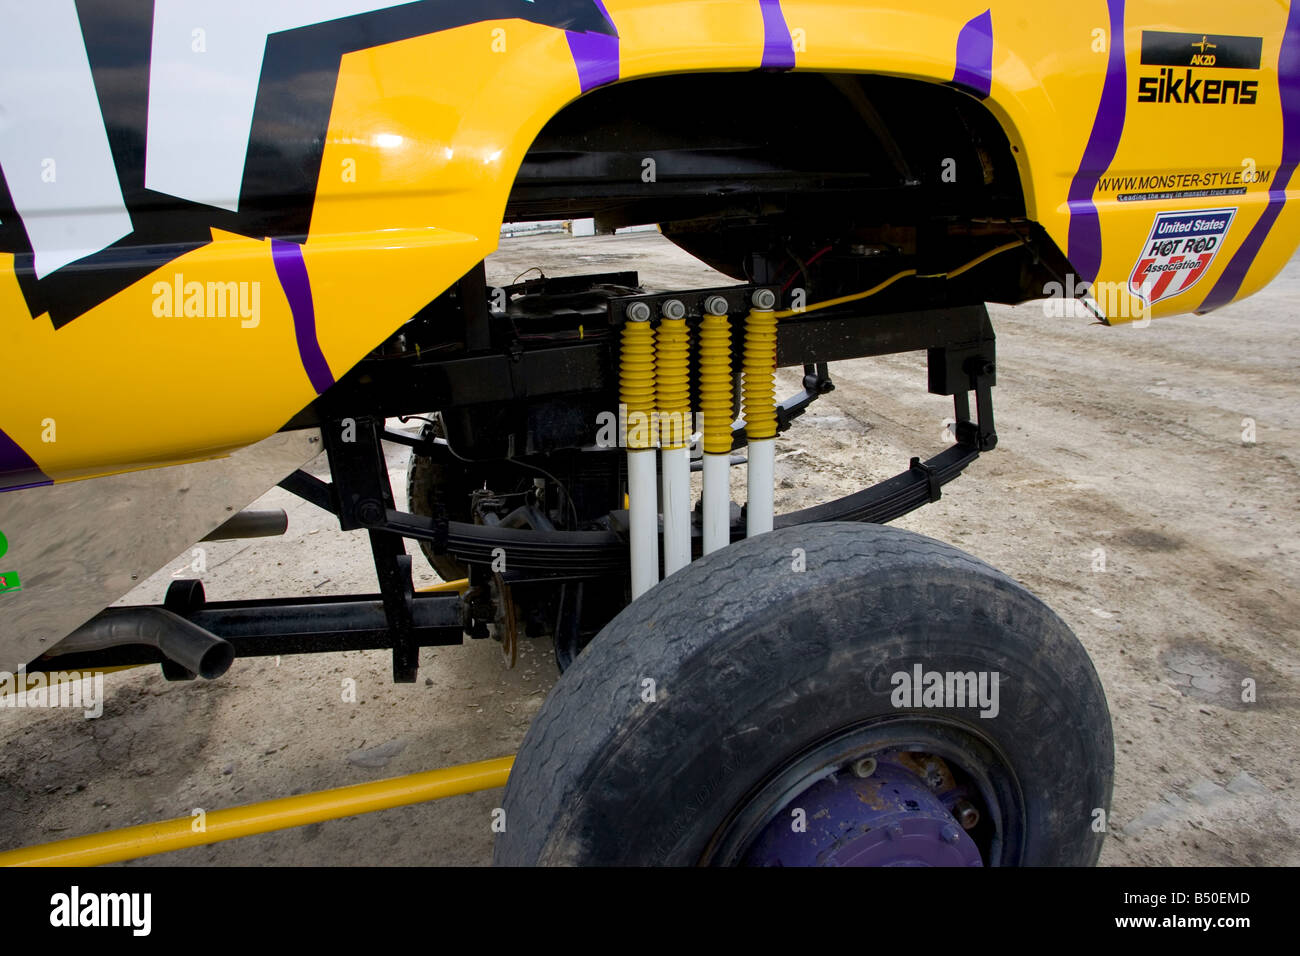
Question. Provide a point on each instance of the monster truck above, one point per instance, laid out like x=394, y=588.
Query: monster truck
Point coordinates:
x=233, y=236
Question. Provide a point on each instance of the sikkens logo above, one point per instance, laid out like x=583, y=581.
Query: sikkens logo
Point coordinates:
x=1178, y=252
x=1210, y=51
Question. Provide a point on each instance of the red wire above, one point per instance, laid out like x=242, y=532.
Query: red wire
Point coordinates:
x=815, y=257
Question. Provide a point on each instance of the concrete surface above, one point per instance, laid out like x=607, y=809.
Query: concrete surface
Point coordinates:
x=1121, y=492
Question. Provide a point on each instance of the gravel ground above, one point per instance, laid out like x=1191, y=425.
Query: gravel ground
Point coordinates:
x=1122, y=493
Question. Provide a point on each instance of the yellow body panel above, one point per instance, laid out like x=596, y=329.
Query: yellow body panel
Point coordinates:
x=124, y=387
x=425, y=137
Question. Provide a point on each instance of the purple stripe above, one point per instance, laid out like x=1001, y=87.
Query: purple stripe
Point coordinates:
x=778, y=48
x=292, y=272
x=975, y=55
x=1085, y=229
x=17, y=469
x=595, y=54
x=1288, y=82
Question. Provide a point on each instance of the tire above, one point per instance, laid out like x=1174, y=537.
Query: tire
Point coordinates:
x=759, y=669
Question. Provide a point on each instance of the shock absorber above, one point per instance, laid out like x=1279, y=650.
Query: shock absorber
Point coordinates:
x=637, y=393
x=759, y=399
x=673, y=395
x=715, y=409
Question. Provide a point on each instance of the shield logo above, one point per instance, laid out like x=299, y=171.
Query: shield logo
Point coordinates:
x=1178, y=252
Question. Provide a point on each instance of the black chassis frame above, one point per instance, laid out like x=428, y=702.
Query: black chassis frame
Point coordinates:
x=960, y=347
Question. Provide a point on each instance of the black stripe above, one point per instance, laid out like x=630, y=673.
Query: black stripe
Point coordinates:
x=290, y=119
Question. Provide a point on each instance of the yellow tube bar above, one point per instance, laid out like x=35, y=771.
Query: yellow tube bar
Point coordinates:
x=460, y=584
x=149, y=839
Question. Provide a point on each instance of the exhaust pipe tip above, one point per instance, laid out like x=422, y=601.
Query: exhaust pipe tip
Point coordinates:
x=217, y=660
x=197, y=650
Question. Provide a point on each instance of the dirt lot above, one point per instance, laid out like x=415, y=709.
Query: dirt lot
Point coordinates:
x=1122, y=493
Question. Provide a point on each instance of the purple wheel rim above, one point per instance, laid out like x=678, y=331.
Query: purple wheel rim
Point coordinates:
x=889, y=818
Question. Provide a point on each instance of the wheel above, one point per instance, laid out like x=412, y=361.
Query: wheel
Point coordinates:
x=745, y=712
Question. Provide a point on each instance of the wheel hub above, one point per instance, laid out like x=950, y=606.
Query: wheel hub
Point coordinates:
x=889, y=818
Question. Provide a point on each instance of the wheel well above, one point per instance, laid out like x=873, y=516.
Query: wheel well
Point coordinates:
x=752, y=172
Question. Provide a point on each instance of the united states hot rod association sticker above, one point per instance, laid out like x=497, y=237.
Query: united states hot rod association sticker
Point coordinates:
x=1178, y=252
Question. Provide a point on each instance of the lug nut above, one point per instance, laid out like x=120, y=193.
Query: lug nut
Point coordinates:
x=764, y=298
x=674, y=309
x=865, y=767
x=966, y=814
x=638, y=312
x=716, y=305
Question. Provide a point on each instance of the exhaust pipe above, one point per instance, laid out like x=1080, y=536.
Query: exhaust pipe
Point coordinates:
x=180, y=641
x=251, y=524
